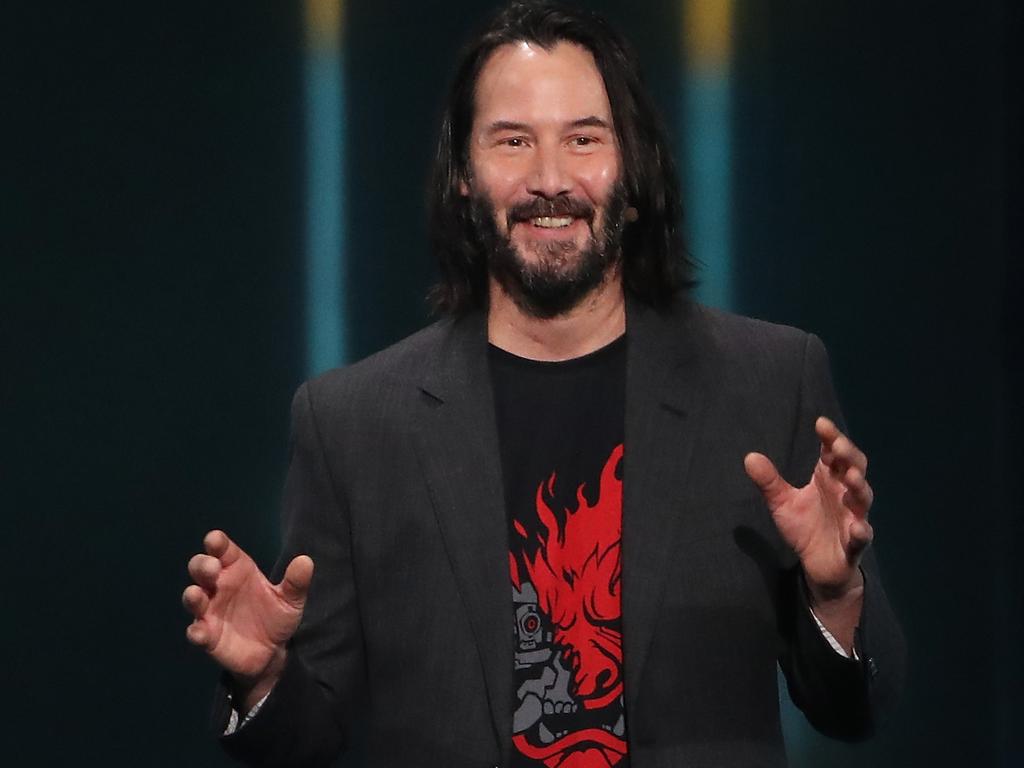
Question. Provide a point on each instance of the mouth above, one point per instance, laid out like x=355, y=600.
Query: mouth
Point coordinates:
x=560, y=734
x=553, y=227
x=556, y=219
x=552, y=222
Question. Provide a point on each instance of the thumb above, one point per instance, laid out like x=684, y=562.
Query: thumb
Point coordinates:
x=767, y=478
x=297, y=577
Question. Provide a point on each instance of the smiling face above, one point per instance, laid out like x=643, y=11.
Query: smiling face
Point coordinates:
x=544, y=186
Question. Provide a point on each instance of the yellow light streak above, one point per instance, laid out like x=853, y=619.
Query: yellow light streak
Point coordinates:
x=323, y=23
x=708, y=33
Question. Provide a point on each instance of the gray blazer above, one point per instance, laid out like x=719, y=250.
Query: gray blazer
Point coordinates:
x=395, y=490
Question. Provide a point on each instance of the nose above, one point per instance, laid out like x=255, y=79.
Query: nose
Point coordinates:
x=548, y=177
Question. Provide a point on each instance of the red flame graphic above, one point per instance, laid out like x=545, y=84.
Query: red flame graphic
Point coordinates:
x=577, y=572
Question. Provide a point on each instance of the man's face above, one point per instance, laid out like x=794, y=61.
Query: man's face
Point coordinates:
x=544, y=186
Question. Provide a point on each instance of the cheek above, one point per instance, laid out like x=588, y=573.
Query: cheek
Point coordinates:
x=501, y=182
x=495, y=175
x=599, y=178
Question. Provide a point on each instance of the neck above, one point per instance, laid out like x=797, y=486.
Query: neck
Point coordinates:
x=595, y=322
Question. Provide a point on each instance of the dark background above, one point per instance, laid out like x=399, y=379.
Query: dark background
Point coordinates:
x=152, y=320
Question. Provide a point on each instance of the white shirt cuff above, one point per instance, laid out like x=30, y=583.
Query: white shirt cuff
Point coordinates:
x=236, y=722
x=831, y=640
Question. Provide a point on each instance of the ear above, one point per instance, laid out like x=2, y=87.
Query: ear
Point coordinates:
x=464, y=188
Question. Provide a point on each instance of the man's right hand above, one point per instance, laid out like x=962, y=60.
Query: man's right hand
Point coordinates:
x=242, y=620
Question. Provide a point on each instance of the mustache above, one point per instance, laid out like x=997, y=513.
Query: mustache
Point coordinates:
x=558, y=207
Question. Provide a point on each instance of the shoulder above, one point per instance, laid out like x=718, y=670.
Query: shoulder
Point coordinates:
x=395, y=366
x=377, y=382
x=747, y=335
x=765, y=345
x=735, y=356
x=733, y=340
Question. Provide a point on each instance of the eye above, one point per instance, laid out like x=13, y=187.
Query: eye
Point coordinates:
x=514, y=141
x=583, y=141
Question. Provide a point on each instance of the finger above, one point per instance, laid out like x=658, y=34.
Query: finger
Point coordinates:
x=844, y=451
x=828, y=433
x=838, y=452
x=198, y=634
x=826, y=429
x=219, y=545
x=859, y=494
x=204, y=570
x=195, y=600
x=861, y=536
x=297, y=577
x=766, y=477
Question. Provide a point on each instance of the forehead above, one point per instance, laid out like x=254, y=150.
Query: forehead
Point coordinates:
x=523, y=82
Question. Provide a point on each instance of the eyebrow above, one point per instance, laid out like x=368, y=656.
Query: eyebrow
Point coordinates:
x=591, y=121
x=506, y=125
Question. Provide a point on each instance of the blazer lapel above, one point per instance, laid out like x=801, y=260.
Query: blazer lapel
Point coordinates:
x=664, y=382
x=457, y=442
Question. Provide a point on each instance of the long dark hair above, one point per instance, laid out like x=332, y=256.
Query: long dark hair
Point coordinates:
x=655, y=264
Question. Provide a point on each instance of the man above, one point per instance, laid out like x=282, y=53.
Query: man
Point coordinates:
x=547, y=530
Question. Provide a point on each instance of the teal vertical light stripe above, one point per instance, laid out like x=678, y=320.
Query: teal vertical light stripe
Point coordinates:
x=708, y=182
x=325, y=206
x=708, y=199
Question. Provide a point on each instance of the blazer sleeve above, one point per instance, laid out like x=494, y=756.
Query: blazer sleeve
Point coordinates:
x=304, y=720
x=842, y=698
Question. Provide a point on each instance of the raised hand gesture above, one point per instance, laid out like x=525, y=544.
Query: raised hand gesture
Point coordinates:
x=825, y=522
x=242, y=620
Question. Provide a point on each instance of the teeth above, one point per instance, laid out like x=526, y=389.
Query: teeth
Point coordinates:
x=552, y=222
x=620, y=726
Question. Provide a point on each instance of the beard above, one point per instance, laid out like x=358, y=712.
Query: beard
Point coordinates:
x=561, y=274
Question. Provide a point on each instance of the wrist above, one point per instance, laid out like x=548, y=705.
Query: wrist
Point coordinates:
x=825, y=596
x=838, y=609
x=250, y=690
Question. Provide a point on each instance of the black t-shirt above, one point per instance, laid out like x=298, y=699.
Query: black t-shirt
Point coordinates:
x=560, y=428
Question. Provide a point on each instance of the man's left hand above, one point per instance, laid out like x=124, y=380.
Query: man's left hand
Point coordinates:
x=825, y=521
